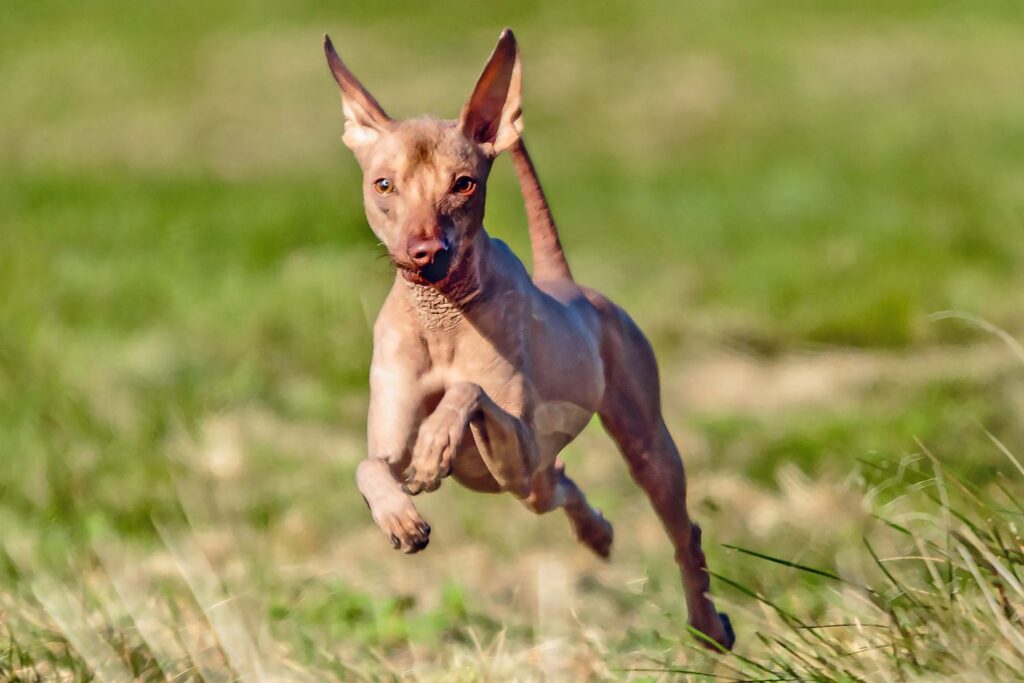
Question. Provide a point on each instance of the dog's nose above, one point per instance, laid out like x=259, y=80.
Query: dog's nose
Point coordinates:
x=424, y=252
x=432, y=257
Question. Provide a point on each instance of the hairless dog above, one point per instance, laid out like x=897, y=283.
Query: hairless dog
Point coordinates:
x=481, y=371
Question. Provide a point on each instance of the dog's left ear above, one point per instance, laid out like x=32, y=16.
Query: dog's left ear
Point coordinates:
x=492, y=116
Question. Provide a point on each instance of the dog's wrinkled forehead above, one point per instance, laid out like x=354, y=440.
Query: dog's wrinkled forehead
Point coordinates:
x=424, y=144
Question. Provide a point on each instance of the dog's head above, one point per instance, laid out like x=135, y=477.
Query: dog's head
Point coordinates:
x=424, y=179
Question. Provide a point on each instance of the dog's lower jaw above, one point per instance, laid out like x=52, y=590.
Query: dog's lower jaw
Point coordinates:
x=427, y=276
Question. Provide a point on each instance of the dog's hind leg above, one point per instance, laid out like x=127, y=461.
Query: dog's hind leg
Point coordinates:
x=551, y=489
x=631, y=413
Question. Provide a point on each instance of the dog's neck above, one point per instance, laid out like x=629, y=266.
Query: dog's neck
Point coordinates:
x=443, y=308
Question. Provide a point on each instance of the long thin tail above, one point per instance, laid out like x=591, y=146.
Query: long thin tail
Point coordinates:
x=548, y=258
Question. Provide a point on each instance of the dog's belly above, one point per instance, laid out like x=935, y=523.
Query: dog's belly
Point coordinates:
x=566, y=370
x=469, y=468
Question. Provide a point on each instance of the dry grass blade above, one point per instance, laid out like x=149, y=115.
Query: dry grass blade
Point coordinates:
x=70, y=616
x=1015, y=346
x=1006, y=451
x=1012, y=634
x=248, y=660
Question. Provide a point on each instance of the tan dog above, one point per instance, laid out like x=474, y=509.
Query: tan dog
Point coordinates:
x=479, y=371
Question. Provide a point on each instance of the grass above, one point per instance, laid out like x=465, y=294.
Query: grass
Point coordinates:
x=783, y=194
x=940, y=601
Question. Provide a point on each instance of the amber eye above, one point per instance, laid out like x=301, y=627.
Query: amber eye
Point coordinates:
x=464, y=185
x=383, y=186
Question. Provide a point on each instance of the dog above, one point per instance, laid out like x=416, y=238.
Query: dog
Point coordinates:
x=481, y=371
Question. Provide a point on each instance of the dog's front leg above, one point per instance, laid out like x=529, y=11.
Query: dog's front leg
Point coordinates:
x=507, y=446
x=391, y=507
x=392, y=420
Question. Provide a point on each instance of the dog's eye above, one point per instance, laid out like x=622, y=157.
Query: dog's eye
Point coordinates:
x=464, y=185
x=383, y=186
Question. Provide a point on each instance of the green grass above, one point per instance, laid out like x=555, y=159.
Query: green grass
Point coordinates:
x=783, y=194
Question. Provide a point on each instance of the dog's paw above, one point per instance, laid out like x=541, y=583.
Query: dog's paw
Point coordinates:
x=595, y=532
x=404, y=528
x=433, y=456
x=729, y=636
x=718, y=630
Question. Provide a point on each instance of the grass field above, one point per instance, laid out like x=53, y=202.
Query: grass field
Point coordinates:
x=815, y=210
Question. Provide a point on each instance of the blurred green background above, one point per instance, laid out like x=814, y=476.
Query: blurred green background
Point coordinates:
x=784, y=194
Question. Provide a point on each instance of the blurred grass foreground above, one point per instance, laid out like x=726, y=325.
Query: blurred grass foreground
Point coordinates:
x=816, y=211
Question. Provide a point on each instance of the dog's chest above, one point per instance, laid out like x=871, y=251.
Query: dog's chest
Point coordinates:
x=466, y=354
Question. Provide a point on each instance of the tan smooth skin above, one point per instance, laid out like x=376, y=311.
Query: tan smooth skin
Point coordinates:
x=479, y=370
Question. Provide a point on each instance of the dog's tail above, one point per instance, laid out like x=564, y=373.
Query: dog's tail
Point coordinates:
x=548, y=258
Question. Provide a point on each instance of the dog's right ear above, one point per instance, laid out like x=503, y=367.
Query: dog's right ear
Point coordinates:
x=364, y=117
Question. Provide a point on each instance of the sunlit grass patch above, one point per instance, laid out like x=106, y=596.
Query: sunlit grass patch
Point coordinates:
x=934, y=589
x=927, y=584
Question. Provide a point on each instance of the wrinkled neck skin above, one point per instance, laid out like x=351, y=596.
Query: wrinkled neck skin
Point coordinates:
x=443, y=306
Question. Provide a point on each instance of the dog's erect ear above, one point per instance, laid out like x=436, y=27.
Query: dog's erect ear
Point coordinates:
x=364, y=117
x=492, y=117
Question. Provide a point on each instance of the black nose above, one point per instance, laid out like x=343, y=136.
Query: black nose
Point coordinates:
x=431, y=256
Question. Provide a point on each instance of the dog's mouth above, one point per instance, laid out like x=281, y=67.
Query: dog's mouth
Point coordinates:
x=438, y=269
x=432, y=274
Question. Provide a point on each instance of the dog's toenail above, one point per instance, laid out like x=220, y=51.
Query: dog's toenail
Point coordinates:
x=394, y=541
x=417, y=545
